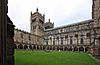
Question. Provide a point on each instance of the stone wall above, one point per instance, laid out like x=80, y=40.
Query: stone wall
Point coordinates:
x=25, y=38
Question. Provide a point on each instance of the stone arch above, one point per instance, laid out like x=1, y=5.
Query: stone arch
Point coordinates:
x=15, y=46
x=75, y=48
x=44, y=47
x=65, y=48
x=47, y=47
x=70, y=48
x=53, y=47
x=40, y=47
x=61, y=48
x=30, y=46
x=86, y=49
x=50, y=47
x=25, y=47
x=57, y=47
x=34, y=47
x=81, y=48
x=20, y=46
x=37, y=47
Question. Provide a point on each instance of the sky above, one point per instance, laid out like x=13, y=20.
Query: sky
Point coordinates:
x=60, y=12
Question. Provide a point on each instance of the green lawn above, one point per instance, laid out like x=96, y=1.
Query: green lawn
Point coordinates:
x=53, y=58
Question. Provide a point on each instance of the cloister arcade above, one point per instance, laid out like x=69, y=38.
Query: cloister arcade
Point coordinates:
x=83, y=48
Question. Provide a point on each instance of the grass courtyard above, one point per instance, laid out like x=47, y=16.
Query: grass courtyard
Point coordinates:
x=53, y=58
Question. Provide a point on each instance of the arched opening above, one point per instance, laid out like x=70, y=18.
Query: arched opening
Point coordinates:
x=75, y=49
x=44, y=47
x=50, y=47
x=37, y=47
x=81, y=49
x=61, y=48
x=40, y=47
x=25, y=47
x=15, y=46
x=69, y=48
x=47, y=47
x=34, y=47
x=53, y=47
x=86, y=49
x=30, y=46
x=57, y=47
x=20, y=46
x=65, y=49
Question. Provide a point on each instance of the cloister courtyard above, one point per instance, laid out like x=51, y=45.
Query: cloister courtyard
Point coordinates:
x=26, y=57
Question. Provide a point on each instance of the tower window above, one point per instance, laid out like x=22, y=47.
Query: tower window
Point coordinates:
x=33, y=20
x=34, y=27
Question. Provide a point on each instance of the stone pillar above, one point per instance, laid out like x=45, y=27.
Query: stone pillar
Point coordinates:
x=3, y=32
x=78, y=48
x=72, y=48
x=42, y=47
x=36, y=47
x=63, y=48
x=17, y=46
x=84, y=49
x=10, y=42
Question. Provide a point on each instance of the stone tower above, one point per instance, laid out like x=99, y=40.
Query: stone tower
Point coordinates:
x=37, y=23
x=96, y=9
x=96, y=13
x=48, y=25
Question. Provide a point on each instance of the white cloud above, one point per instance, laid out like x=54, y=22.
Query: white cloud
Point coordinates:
x=59, y=11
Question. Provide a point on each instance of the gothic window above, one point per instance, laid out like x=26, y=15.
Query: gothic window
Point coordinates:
x=88, y=34
x=57, y=38
x=76, y=35
x=61, y=40
x=50, y=38
x=61, y=30
x=34, y=27
x=81, y=42
x=66, y=36
x=40, y=28
x=54, y=41
x=41, y=21
x=33, y=20
x=70, y=41
x=46, y=42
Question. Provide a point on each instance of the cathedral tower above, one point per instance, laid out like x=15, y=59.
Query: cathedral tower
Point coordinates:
x=96, y=9
x=37, y=23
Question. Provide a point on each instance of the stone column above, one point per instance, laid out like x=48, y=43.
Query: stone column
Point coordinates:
x=72, y=48
x=17, y=46
x=3, y=32
x=78, y=48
